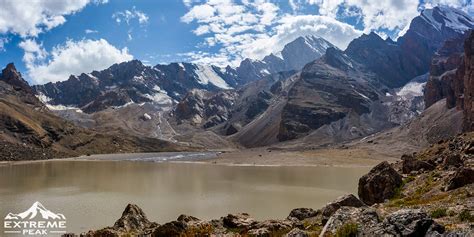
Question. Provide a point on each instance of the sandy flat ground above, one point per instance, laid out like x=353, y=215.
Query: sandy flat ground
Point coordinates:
x=319, y=157
x=351, y=157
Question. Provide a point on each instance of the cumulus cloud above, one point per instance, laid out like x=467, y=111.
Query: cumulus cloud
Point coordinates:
x=3, y=41
x=254, y=29
x=29, y=20
x=72, y=57
x=385, y=14
x=128, y=15
x=388, y=15
x=89, y=31
x=465, y=5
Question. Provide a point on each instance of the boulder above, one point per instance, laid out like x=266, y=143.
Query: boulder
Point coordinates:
x=133, y=219
x=379, y=184
x=405, y=222
x=270, y=228
x=297, y=233
x=452, y=160
x=303, y=213
x=461, y=178
x=410, y=163
x=170, y=229
x=262, y=232
x=365, y=218
x=408, y=222
x=240, y=221
x=348, y=200
x=187, y=219
x=274, y=225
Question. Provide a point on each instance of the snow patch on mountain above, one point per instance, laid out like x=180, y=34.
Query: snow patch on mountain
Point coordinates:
x=412, y=89
x=448, y=17
x=206, y=75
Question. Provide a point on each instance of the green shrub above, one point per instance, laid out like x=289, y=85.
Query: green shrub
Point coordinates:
x=465, y=215
x=438, y=213
x=348, y=230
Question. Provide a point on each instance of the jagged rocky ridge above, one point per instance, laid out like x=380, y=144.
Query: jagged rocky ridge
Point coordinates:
x=430, y=193
x=342, y=95
x=398, y=62
x=316, y=102
x=294, y=56
x=29, y=130
x=133, y=82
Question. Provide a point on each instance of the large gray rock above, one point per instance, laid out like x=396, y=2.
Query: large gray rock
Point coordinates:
x=461, y=178
x=366, y=218
x=405, y=222
x=348, y=200
x=409, y=222
x=170, y=229
x=270, y=228
x=303, y=213
x=410, y=163
x=133, y=221
x=379, y=184
x=297, y=233
x=241, y=221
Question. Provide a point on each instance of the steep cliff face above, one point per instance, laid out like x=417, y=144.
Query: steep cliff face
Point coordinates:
x=446, y=74
x=469, y=83
x=398, y=62
x=452, y=77
x=328, y=90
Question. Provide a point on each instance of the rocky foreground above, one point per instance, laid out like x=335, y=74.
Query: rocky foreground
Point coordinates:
x=425, y=194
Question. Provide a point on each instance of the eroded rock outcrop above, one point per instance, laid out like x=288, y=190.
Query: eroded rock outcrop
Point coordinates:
x=379, y=184
x=133, y=221
x=410, y=164
x=469, y=83
x=462, y=177
x=367, y=222
x=348, y=200
x=303, y=213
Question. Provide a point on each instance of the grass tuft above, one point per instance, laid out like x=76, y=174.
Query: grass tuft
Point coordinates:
x=439, y=212
x=465, y=215
x=348, y=230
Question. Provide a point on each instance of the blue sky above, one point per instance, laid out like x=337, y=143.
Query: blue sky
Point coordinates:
x=50, y=39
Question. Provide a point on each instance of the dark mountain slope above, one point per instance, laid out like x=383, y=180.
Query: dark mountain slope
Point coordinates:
x=30, y=131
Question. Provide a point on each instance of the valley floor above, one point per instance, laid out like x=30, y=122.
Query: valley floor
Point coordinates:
x=351, y=157
x=318, y=157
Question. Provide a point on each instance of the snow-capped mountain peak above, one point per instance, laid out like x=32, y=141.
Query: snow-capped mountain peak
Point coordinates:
x=443, y=16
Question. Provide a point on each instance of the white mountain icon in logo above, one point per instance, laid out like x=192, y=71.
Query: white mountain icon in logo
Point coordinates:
x=32, y=212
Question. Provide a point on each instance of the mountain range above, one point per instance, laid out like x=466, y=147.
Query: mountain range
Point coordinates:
x=310, y=91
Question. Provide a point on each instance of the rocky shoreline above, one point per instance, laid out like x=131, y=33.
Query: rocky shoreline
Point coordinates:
x=430, y=193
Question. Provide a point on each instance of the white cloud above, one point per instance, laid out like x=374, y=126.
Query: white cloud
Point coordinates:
x=3, y=41
x=255, y=29
x=73, y=57
x=89, y=31
x=392, y=15
x=465, y=5
x=128, y=15
x=385, y=14
x=34, y=52
x=29, y=18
